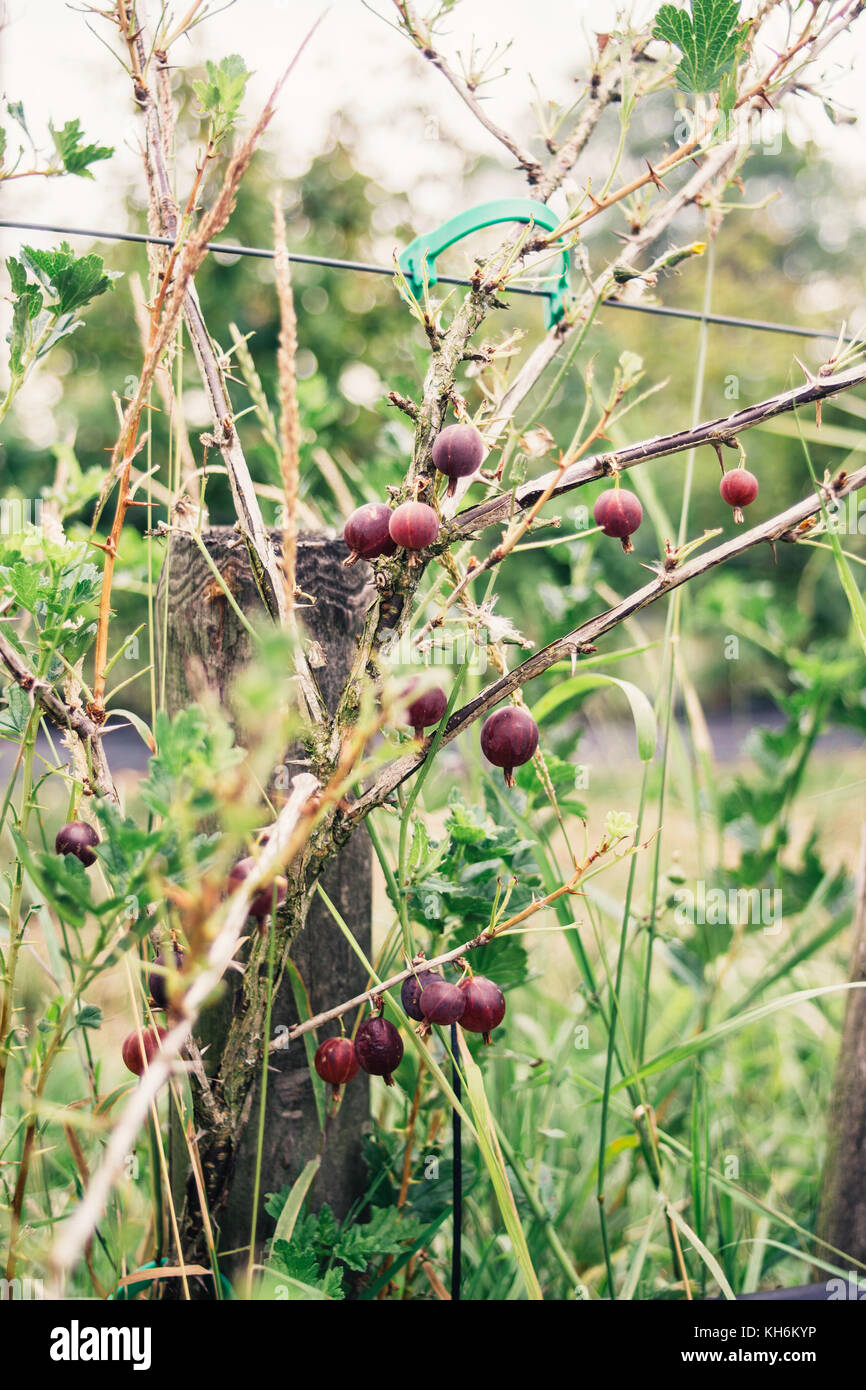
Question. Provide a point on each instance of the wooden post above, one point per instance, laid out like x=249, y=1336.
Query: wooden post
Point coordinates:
x=842, y=1216
x=203, y=635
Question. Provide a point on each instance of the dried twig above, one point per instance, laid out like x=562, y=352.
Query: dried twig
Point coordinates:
x=183, y=299
x=423, y=42
x=714, y=432
x=781, y=526
x=276, y=854
x=65, y=716
x=290, y=425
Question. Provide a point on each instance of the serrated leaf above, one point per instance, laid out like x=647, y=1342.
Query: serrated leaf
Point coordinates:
x=15, y=717
x=75, y=156
x=221, y=94
x=709, y=39
x=384, y=1234
x=72, y=281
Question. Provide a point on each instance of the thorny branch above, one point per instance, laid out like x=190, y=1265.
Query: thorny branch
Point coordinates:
x=177, y=297
x=183, y=299
x=276, y=855
x=482, y=939
x=714, y=432
x=783, y=526
x=65, y=716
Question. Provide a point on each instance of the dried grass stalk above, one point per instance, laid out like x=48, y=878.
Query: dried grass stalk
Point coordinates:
x=290, y=424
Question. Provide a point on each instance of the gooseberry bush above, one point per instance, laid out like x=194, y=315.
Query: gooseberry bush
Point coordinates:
x=205, y=872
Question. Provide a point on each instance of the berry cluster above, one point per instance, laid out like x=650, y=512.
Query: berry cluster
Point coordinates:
x=509, y=737
x=375, y=530
x=377, y=1050
x=619, y=513
x=476, y=1003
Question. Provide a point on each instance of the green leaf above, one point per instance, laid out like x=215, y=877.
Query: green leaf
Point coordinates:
x=16, y=111
x=709, y=1259
x=301, y=1269
x=641, y=709
x=385, y=1233
x=682, y=1052
x=73, y=155
x=16, y=715
x=488, y=1143
x=89, y=1016
x=291, y=1210
x=72, y=281
x=220, y=96
x=710, y=40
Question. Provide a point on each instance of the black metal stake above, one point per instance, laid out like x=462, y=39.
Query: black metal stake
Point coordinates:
x=456, y=1173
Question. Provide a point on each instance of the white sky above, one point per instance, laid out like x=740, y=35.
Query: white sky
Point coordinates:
x=356, y=64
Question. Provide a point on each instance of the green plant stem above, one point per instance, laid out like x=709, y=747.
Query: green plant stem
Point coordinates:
x=15, y=928
x=414, y=793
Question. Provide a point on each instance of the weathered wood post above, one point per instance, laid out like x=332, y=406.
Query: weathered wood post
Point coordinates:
x=842, y=1216
x=203, y=634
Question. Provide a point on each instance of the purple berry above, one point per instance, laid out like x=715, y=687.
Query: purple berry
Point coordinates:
x=78, y=838
x=508, y=739
x=410, y=992
x=336, y=1062
x=263, y=901
x=414, y=525
x=738, y=488
x=484, y=1007
x=139, y=1049
x=366, y=533
x=457, y=452
x=426, y=710
x=379, y=1048
x=619, y=513
x=441, y=1002
x=157, y=981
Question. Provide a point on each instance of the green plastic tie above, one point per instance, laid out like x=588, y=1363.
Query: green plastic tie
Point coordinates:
x=421, y=254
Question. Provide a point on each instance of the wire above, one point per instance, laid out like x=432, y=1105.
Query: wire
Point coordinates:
x=368, y=268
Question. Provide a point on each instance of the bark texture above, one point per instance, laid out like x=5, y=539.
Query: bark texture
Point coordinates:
x=206, y=642
x=842, y=1217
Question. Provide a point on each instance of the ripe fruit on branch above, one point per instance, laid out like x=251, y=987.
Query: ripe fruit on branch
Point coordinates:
x=484, y=1008
x=139, y=1049
x=619, y=513
x=414, y=525
x=739, y=488
x=157, y=981
x=78, y=838
x=426, y=710
x=441, y=1003
x=508, y=739
x=410, y=992
x=379, y=1048
x=263, y=901
x=457, y=452
x=336, y=1062
x=366, y=533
